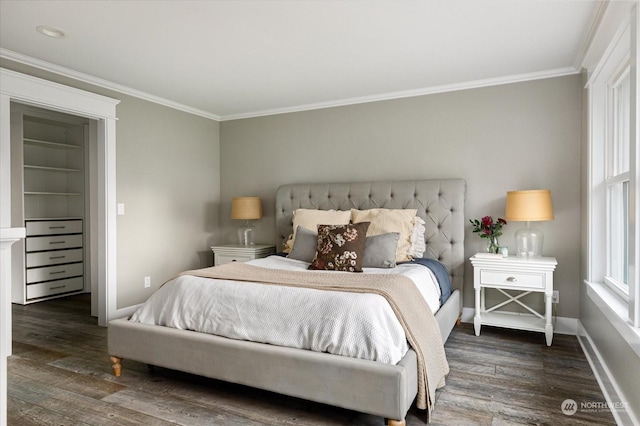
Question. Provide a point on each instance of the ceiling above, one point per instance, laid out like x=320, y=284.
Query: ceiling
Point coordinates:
x=234, y=59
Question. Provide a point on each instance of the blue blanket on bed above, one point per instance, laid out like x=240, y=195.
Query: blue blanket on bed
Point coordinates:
x=441, y=273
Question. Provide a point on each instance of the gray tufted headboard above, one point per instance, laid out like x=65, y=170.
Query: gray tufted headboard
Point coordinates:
x=440, y=202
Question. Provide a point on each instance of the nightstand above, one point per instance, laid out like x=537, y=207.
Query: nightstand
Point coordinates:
x=236, y=253
x=515, y=274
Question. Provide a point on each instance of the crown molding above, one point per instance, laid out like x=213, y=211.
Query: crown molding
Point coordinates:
x=476, y=84
x=611, y=16
x=591, y=34
x=105, y=84
x=518, y=78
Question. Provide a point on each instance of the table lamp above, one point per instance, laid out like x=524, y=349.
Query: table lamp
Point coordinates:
x=246, y=208
x=529, y=206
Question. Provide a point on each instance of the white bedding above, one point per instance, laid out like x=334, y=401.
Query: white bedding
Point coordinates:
x=351, y=324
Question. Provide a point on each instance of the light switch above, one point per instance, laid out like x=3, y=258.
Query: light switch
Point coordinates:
x=120, y=208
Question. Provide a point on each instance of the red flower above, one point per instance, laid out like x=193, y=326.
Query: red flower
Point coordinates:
x=487, y=228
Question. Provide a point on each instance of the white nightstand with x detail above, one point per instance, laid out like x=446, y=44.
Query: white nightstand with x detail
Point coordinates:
x=523, y=275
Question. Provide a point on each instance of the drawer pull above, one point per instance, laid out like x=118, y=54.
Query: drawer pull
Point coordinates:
x=57, y=242
x=57, y=287
x=57, y=227
x=512, y=279
x=57, y=272
x=56, y=257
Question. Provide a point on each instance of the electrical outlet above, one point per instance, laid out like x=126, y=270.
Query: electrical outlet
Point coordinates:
x=556, y=296
x=147, y=282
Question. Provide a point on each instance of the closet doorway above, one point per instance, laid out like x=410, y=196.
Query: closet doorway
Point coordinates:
x=53, y=163
x=100, y=111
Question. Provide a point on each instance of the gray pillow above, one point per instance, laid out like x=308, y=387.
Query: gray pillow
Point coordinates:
x=380, y=250
x=304, y=246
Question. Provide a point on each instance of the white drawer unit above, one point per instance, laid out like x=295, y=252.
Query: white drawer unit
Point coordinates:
x=45, y=258
x=221, y=259
x=54, y=258
x=48, y=273
x=237, y=253
x=53, y=288
x=514, y=278
x=56, y=242
x=54, y=227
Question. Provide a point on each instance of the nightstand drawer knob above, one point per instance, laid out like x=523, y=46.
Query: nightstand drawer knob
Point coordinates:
x=512, y=279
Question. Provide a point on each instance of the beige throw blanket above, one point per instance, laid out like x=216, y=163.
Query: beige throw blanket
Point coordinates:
x=420, y=326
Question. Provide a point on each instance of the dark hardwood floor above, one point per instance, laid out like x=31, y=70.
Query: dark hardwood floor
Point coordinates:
x=60, y=374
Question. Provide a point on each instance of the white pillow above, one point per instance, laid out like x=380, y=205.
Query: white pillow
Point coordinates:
x=389, y=220
x=418, y=246
x=310, y=219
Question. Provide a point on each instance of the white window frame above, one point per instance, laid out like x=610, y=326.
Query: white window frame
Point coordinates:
x=614, y=176
x=622, y=52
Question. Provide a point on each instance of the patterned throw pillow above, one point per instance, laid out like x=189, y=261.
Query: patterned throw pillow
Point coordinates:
x=340, y=247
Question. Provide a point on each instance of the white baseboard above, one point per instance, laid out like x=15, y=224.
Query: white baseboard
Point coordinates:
x=467, y=314
x=562, y=325
x=608, y=384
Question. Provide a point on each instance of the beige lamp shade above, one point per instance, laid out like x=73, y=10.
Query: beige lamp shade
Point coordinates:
x=529, y=206
x=247, y=208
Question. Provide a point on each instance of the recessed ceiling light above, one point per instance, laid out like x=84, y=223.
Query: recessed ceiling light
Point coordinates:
x=50, y=31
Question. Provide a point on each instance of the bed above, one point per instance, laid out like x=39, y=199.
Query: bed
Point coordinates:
x=386, y=390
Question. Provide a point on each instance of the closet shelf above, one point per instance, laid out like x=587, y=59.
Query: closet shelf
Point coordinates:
x=52, y=169
x=53, y=218
x=67, y=194
x=47, y=144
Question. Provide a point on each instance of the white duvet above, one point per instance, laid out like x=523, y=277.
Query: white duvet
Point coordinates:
x=357, y=325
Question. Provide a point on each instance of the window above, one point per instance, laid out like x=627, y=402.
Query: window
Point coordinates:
x=617, y=180
x=614, y=171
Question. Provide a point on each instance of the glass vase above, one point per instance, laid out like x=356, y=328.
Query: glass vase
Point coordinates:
x=493, y=245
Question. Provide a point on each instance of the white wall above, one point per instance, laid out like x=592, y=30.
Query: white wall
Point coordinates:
x=168, y=179
x=515, y=136
x=167, y=175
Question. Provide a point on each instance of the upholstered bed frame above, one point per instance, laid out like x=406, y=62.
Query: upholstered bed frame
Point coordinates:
x=361, y=385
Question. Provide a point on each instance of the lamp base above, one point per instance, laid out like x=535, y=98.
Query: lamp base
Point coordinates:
x=246, y=234
x=529, y=242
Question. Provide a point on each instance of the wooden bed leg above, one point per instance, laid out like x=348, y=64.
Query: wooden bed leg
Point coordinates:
x=116, y=364
x=459, y=321
x=402, y=422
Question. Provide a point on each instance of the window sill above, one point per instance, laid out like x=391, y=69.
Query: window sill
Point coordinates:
x=616, y=310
